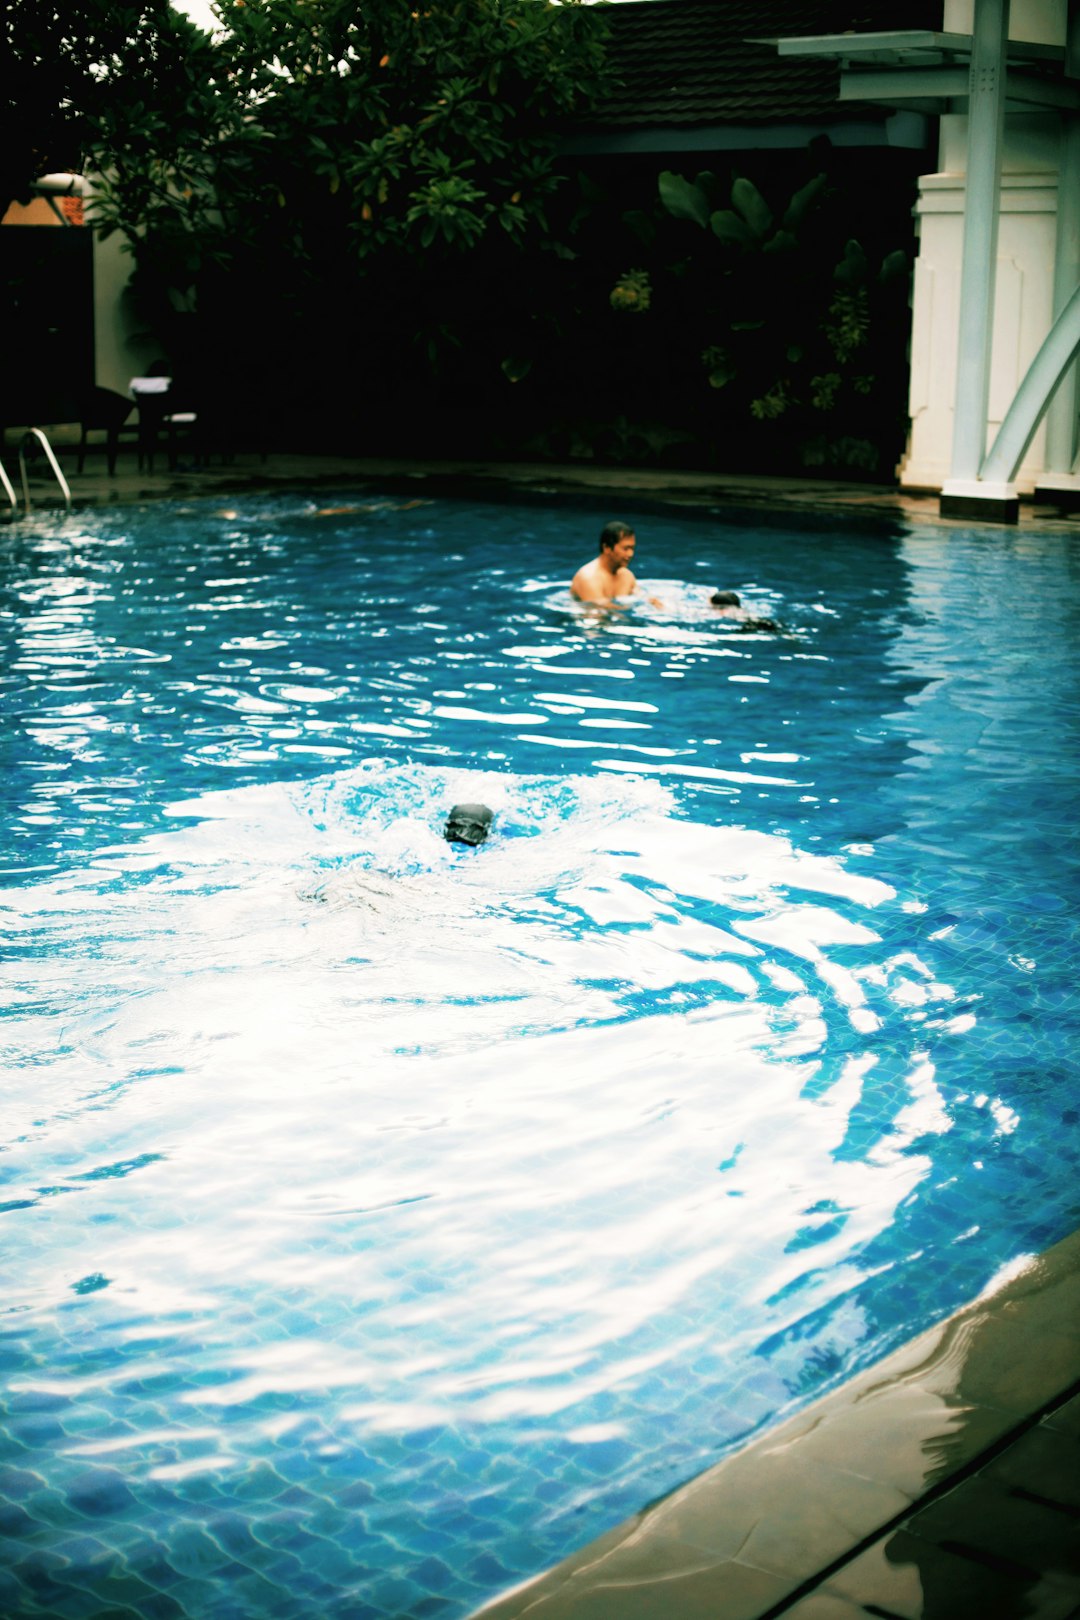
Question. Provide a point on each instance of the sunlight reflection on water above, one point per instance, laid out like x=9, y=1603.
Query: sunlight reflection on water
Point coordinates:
x=390, y=1201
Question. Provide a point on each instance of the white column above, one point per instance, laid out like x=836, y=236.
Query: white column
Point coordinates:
x=1061, y=417
x=986, y=120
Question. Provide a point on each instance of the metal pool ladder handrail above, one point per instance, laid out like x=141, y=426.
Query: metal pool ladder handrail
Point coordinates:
x=8, y=491
x=36, y=433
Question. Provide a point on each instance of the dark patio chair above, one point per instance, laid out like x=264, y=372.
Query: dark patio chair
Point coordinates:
x=160, y=407
x=105, y=411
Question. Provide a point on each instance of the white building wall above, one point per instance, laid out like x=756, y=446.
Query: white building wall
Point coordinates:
x=1022, y=315
x=1042, y=22
x=121, y=351
x=1023, y=300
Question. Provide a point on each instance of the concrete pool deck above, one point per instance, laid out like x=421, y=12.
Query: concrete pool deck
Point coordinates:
x=942, y=1482
x=249, y=473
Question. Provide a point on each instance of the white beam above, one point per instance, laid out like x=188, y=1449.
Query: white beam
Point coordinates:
x=887, y=46
x=903, y=84
x=1036, y=92
x=883, y=44
x=1024, y=91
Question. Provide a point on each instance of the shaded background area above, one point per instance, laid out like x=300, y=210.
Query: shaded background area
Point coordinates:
x=47, y=294
x=459, y=244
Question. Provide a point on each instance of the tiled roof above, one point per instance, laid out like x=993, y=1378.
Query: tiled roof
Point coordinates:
x=693, y=61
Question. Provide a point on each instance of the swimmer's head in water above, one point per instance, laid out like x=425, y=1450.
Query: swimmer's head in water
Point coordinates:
x=468, y=824
x=725, y=599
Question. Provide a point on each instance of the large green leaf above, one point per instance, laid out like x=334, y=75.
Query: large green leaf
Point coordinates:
x=802, y=201
x=711, y=185
x=641, y=224
x=894, y=265
x=851, y=270
x=730, y=228
x=684, y=198
x=746, y=197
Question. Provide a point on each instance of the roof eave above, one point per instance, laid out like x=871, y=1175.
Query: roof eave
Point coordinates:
x=907, y=129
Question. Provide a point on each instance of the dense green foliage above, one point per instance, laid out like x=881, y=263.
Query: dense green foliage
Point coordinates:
x=795, y=324
x=314, y=124
x=68, y=67
x=752, y=318
x=350, y=217
x=301, y=190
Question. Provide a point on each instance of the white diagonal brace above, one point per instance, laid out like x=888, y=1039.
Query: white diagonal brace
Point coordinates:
x=1060, y=348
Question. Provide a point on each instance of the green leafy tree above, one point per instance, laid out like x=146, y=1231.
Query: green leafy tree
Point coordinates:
x=69, y=66
x=346, y=152
x=319, y=180
x=399, y=127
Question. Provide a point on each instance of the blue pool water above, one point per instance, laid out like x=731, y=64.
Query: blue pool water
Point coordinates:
x=384, y=1219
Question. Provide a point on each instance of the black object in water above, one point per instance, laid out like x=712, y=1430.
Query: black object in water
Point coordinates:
x=468, y=824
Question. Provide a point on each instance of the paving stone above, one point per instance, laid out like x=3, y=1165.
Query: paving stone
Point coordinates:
x=778, y=1512
x=1066, y=1419
x=721, y=1591
x=983, y=1515
x=913, y=1579
x=825, y=1606
x=1045, y=1464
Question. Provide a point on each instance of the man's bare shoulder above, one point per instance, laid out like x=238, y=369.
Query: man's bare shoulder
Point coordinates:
x=588, y=583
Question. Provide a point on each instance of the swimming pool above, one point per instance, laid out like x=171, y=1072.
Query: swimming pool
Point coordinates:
x=385, y=1219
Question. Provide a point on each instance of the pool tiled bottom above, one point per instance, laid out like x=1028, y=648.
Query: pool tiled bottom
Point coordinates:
x=941, y=1484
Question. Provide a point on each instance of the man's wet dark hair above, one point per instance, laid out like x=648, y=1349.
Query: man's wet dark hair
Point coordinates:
x=613, y=532
x=725, y=599
x=468, y=824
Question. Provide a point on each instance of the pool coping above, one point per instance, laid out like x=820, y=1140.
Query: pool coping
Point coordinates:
x=514, y=480
x=937, y=1469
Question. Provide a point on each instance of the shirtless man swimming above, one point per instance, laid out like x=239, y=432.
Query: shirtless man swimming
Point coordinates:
x=608, y=575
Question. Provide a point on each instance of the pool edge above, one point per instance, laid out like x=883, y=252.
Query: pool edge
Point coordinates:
x=488, y=478
x=856, y=1499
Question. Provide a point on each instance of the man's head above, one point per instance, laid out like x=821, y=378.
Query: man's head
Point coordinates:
x=468, y=824
x=617, y=543
x=725, y=599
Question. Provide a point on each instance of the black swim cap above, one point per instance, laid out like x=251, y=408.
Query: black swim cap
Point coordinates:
x=468, y=824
